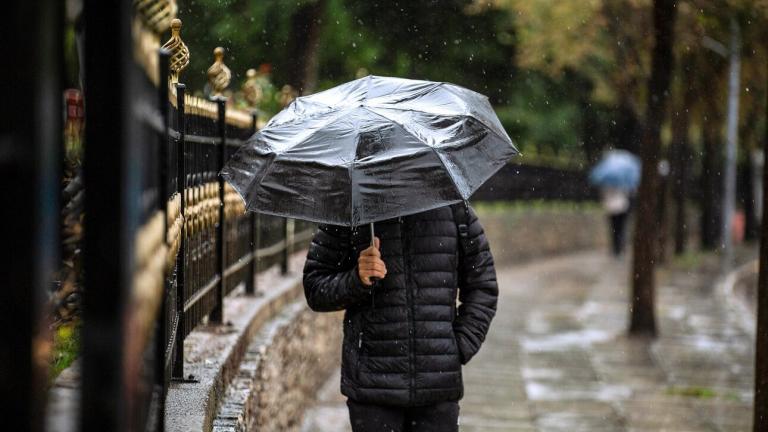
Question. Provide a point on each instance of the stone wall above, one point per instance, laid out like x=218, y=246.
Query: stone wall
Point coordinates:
x=525, y=231
x=305, y=352
x=282, y=369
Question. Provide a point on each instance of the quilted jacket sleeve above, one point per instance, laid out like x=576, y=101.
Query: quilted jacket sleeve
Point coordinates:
x=331, y=281
x=478, y=291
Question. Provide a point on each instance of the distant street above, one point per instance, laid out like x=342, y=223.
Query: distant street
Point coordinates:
x=557, y=358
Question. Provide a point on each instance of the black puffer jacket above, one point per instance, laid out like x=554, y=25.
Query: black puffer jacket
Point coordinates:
x=404, y=340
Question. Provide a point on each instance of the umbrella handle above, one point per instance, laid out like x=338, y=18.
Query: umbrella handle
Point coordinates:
x=373, y=244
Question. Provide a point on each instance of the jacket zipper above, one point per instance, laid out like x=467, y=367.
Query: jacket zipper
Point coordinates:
x=359, y=353
x=409, y=310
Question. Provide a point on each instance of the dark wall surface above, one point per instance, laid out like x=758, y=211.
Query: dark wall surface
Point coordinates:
x=528, y=182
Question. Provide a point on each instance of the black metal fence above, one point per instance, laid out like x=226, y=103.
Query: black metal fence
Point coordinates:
x=517, y=181
x=161, y=221
x=220, y=246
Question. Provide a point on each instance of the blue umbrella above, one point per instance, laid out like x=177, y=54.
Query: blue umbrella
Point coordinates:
x=618, y=169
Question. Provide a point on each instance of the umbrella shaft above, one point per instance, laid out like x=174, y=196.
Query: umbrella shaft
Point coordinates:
x=373, y=243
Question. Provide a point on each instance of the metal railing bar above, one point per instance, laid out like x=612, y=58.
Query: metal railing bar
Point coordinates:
x=280, y=245
x=303, y=236
x=201, y=292
x=270, y=250
x=242, y=262
x=201, y=139
x=235, y=142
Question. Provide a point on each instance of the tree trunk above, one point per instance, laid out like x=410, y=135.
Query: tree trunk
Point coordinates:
x=304, y=46
x=711, y=171
x=745, y=197
x=756, y=167
x=748, y=184
x=760, y=423
x=662, y=227
x=732, y=141
x=627, y=130
x=680, y=157
x=642, y=314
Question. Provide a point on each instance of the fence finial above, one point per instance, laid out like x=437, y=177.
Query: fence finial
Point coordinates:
x=287, y=95
x=179, y=51
x=219, y=74
x=252, y=91
x=156, y=14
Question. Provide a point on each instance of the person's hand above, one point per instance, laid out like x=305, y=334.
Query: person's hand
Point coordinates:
x=369, y=264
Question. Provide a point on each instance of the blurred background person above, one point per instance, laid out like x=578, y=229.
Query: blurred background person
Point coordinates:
x=617, y=175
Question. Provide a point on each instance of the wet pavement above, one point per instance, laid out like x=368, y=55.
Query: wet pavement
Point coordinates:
x=557, y=357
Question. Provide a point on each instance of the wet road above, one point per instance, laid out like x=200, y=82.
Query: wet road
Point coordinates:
x=557, y=358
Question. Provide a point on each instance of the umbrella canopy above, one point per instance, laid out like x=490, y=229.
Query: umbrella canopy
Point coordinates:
x=618, y=169
x=371, y=149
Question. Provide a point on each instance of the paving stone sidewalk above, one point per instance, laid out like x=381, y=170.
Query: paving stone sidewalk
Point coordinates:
x=557, y=357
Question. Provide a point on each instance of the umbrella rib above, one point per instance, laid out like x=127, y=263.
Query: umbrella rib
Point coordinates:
x=467, y=114
x=350, y=168
x=434, y=150
x=338, y=115
x=421, y=93
x=274, y=154
x=272, y=158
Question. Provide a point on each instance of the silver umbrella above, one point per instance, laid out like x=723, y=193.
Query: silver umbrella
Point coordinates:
x=369, y=150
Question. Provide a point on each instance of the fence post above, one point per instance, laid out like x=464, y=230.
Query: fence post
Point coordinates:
x=111, y=171
x=29, y=171
x=217, y=314
x=181, y=180
x=250, y=280
x=161, y=343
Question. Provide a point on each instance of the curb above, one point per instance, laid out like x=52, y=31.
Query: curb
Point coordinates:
x=741, y=312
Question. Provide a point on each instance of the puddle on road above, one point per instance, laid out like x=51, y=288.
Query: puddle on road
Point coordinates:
x=539, y=391
x=570, y=421
x=541, y=373
x=565, y=341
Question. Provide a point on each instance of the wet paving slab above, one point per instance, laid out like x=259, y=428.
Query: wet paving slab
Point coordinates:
x=557, y=357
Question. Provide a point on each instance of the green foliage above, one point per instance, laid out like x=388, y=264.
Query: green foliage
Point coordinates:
x=692, y=260
x=551, y=69
x=440, y=41
x=66, y=346
x=702, y=393
x=695, y=392
x=540, y=110
x=252, y=32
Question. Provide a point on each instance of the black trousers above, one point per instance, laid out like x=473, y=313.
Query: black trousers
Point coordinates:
x=618, y=224
x=441, y=417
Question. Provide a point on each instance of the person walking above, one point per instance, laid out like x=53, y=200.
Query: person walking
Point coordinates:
x=617, y=175
x=405, y=339
x=617, y=204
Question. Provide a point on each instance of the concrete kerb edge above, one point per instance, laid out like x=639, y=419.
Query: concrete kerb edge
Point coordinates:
x=193, y=406
x=740, y=312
